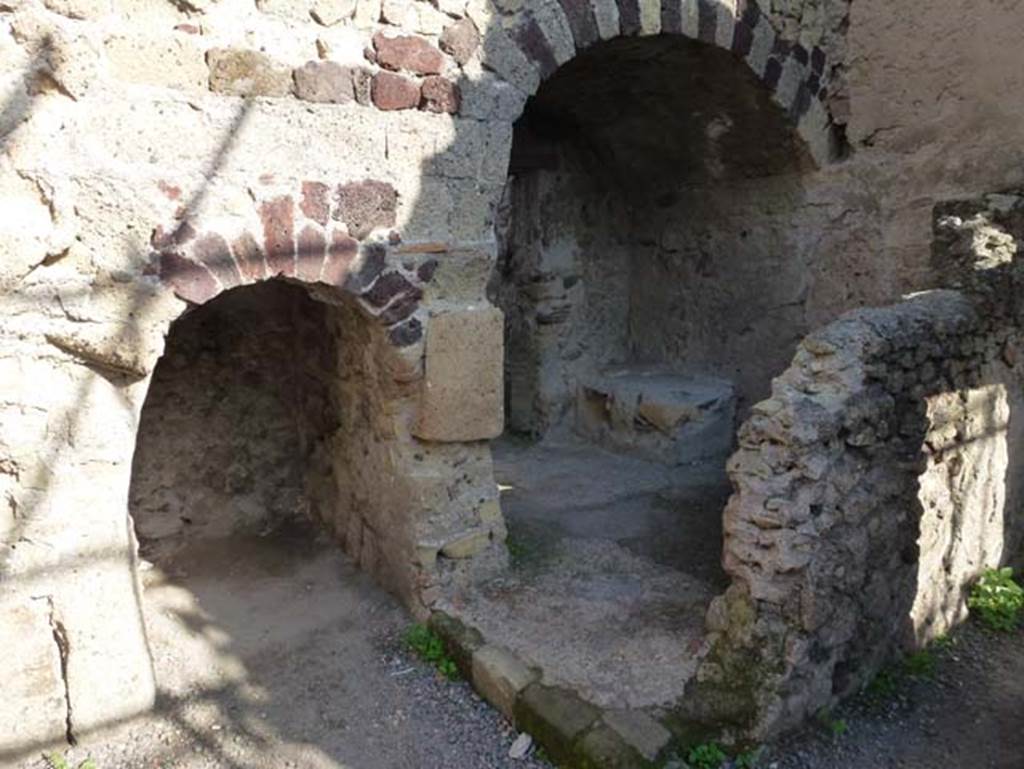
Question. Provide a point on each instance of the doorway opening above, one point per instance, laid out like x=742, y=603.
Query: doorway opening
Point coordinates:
x=653, y=282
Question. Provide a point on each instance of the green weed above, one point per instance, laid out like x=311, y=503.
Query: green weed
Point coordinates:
x=748, y=760
x=836, y=726
x=708, y=755
x=920, y=664
x=59, y=761
x=998, y=599
x=428, y=646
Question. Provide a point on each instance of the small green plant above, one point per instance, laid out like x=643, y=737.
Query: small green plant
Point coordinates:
x=708, y=755
x=428, y=646
x=920, y=664
x=998, y=599
x=59, y=761
x=885, y=684
x=838, y=727
x=748, y=759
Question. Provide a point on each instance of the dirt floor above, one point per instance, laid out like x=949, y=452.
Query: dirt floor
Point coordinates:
x=275, y=652
x=615, y=560
x=960, y=706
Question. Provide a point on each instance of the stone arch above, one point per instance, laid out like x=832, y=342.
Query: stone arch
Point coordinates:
x=317, y=234
x=528, y=45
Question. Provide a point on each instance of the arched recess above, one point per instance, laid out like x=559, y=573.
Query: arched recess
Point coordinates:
x=411, y=509
x=653, y=271
x=267, y=412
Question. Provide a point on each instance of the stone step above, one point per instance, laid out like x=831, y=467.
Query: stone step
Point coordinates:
x=658, y=413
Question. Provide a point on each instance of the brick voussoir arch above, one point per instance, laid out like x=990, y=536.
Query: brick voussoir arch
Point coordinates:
x=314, y=235
x=550, y=32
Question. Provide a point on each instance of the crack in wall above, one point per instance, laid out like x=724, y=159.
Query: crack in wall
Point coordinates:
x=60, y=637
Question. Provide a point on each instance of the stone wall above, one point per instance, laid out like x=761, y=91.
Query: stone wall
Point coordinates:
x=878, y=480
x=562, y=280
x=156, y=153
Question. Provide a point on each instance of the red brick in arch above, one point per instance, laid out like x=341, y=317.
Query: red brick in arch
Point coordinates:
x=795, y=76
x=313, y=236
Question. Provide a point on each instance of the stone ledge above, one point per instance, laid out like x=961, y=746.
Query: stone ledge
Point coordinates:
x=575, y=733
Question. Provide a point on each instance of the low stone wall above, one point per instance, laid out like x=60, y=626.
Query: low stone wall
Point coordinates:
x=873, y=485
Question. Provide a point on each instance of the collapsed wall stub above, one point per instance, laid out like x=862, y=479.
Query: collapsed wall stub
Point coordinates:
x=871, y=488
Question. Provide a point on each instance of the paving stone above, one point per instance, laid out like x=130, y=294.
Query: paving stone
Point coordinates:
x=555, y=717
x=499, y=676
x=639, y=730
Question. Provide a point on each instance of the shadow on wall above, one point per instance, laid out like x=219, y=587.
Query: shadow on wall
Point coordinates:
x=517, y=49
x=874, y=485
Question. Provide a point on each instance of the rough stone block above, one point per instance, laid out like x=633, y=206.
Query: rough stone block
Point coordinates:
x=655, y=412
x=460, y=640
x=324, y=81
x=555, y=717
x=636, y=728
x=461, y=40
x=440, y=95
x=241, y=72
x=466, y=545
x=366, y=205
x=461, y=399
x=79, y=9
x=604, y=747
x=394, y=92
x=171, y=62
x=499, y=676
x=331, y=12
x=33, y=708
x=406, y=52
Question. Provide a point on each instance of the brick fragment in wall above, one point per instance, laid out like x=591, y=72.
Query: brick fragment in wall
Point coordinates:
x=315, y=204
x=367, y=268
x=406, y=333
x=325, y=82
x=531, y=41
x=388, y=287
x=366, y=205
x=243, y=72
x=309, y=253
x=249, y=257
x=440, y=95
x=580, y=15
x=409, y=53
x=189, y=280
x=163, y=239
x=460, y=40
x=213, y=251
x=278, y=235
x=341, y=252
x=394, y=92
